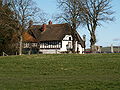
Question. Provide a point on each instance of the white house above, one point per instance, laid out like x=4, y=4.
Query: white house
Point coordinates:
x=52, y=38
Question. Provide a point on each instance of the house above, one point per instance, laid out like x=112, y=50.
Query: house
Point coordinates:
x=52, y=38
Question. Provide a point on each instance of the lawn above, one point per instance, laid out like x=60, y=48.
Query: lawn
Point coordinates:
x=60, y=72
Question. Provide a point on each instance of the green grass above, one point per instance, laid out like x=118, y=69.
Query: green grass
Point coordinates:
x=60, y=72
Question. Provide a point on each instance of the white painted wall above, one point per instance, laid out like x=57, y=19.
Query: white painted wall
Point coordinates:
x=67, y=37
x=65, y=41
x=50, y=51
x=80, y=49
x=76, y=45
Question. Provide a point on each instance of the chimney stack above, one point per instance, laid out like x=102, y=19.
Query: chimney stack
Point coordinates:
x=50, y=22
x=44, y=27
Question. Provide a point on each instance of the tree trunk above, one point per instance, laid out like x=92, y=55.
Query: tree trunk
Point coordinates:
x=73, y=35
x=73, y=44
x=20, y=47
x=92, y=41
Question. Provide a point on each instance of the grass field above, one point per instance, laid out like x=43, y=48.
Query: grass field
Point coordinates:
x=60, y=72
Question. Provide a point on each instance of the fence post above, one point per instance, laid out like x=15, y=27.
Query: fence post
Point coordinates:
x=4, y=54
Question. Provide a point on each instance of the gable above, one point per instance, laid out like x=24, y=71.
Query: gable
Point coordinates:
x=68, y=38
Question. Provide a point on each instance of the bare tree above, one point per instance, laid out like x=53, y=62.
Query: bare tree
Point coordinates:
x=71, y=13
x=41, y=17
x=24, y=11
x=96, y=12
x=16, y=14
x=21, y=11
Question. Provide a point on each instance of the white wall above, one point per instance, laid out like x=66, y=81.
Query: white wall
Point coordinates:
x=50, y=51
x=65, y=41
x=80, y=49
x=76, y=45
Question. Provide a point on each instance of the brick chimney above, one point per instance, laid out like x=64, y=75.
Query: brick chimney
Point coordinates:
x=44, y=27
x=50, y=22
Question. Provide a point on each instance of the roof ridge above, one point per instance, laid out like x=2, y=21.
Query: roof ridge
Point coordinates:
x=52, y=24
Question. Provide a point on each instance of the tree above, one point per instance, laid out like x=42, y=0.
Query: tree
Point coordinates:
x=6, y=30
x=71, y=13
x=24, y=11
x=7, y=40
x=96, y=12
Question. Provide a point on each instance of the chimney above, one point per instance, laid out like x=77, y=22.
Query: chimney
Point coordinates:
x=44, y=27
x=50, y=22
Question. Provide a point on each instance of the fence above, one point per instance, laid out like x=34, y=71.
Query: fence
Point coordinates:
x=4, y=54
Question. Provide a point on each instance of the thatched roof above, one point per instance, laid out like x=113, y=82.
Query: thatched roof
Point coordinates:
x=51, y=32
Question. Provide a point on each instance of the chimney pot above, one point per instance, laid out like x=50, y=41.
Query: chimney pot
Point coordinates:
x=50, y=22
x=44, y=27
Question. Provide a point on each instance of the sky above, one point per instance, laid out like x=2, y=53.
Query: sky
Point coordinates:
x=107, y=34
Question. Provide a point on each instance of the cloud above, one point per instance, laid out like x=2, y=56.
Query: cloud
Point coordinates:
x=116, y=39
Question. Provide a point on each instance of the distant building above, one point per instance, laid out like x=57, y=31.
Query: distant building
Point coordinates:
x=52, y=38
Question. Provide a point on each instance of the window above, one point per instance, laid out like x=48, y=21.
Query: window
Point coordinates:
x=26, y=45
x=34, y=44
x=70, y=39
x=50, y=44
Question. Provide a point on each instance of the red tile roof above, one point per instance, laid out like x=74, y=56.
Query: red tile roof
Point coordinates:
x=28, y=38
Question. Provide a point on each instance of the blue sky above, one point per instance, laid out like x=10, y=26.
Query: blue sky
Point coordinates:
x=107, y=34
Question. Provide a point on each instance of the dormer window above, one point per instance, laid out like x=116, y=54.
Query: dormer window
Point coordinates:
x=70, y=39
